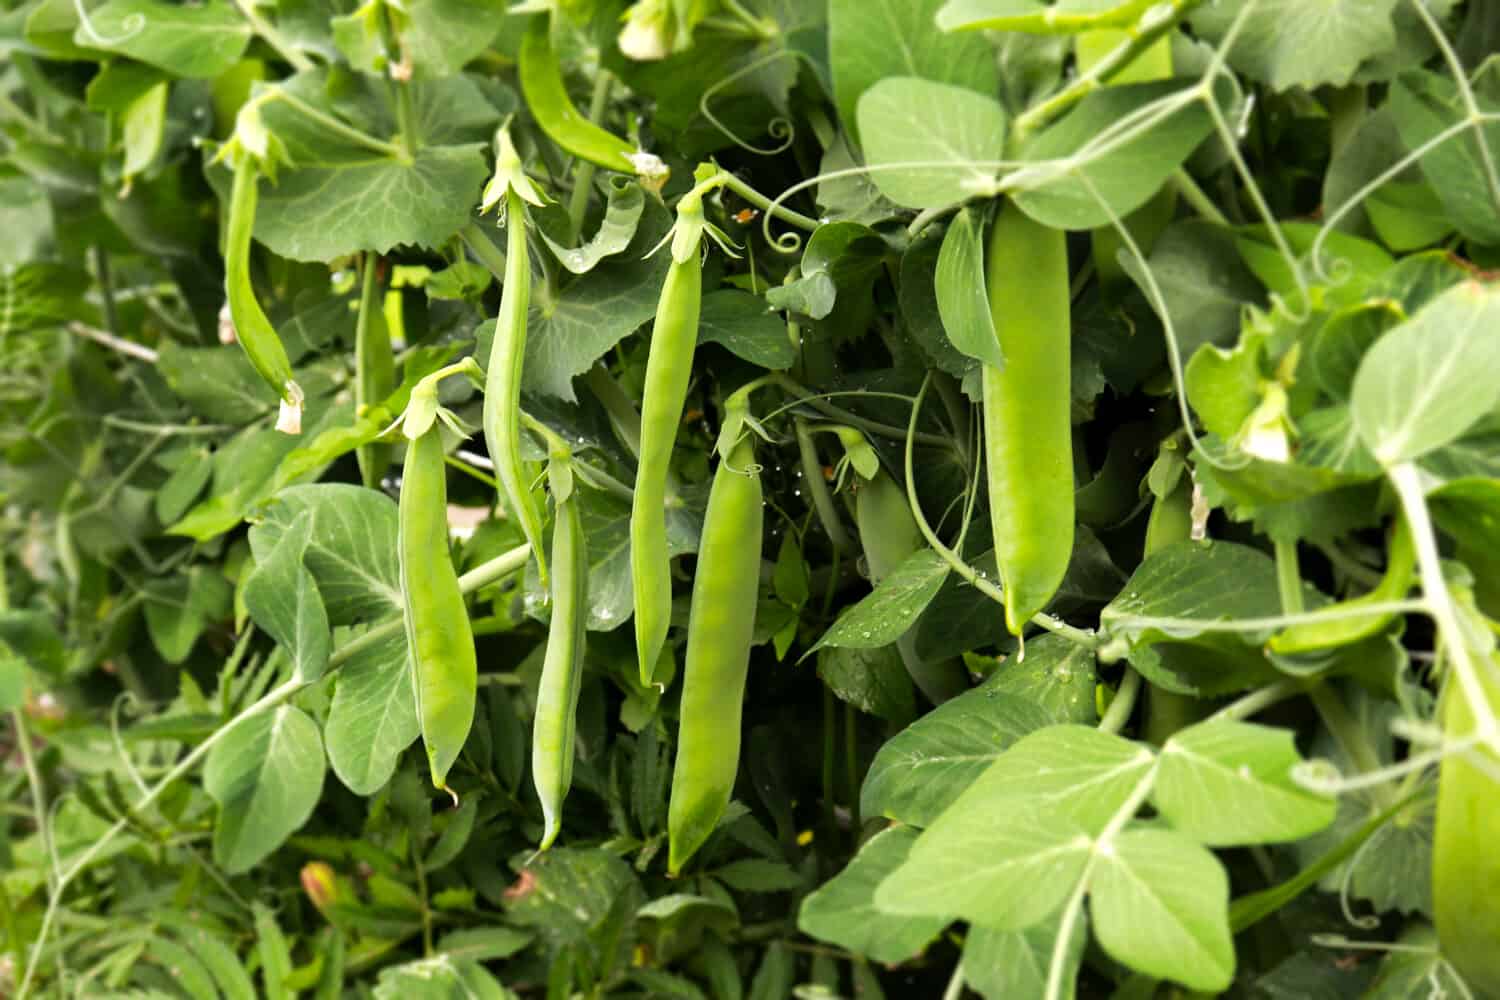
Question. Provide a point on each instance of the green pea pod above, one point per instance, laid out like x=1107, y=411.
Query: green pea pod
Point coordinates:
x=441, y=644
x=720, y=630
x=502, y=389
x=1027, y=425
x=1396, y=583
x=562, y=668
x=1465, y=861
x=252, y=329
x=889, y=534
x=548, y=101
x=375, y=369
x=669, y=365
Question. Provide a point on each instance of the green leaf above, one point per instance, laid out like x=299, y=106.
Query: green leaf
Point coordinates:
x=892, y=608
x=275, y=956
x=282, y=598
x=1229, y=783
x=25, y=213
x=183, y=966
x=351, y=549
x=1003, y=964
x=930, y=145
x=1292, y=43
x=1428, y=380
x=870, y=40
x=742, y=323
x=1056, y=675
x=759, y=875
x=484, y=944
x=266, y=775
x=455, y=835
x=180, y=608
x=194, y=40
x=565, y=892
x=920, y=771
x=872, y=680
x=1078, y=174
x=1204, y=284
x=373, y=716
x=441, y=977
x=622, y=217
x=843, y=912
x=962, y=297
x=441, y=36
x=1424, y=105
x=1160, y=904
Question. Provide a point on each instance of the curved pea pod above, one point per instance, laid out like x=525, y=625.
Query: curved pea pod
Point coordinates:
x=1465, y=858
x=669, y=365
x=1027, y=423
x=1317, y=636
x=888, y=533
x=502, y=389
x=444, y=669
x=720, y=630
x=554, y=111
x=375, y=369
x=552, y=733
x=256, y=335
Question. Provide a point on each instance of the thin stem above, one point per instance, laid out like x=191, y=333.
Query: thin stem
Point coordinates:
x=481, y=246
x=1346, y=732
x=273, y=37
x=127, y=347
x=584, y=170
x=1257, y=701
x=817, y=402
x=38, y=790
x=1289, y=578
x=817, y=488
x=1197, y=198
x=623, y=416
x=106, y=289
x=1123, y=704
x=804, y=222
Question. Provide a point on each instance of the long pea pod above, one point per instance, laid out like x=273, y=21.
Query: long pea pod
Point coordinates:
x=720, y=631
x=547, y=99
x=1465, y=859
x=374, y=367
x=669, y=366
x=502, y=389
x=440, y=640
x=888, y=533
x=1027, y=425
x=252, y=329
x=553, y=728
x=1397, y=580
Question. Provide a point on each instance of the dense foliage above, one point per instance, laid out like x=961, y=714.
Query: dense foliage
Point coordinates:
x=945, y=498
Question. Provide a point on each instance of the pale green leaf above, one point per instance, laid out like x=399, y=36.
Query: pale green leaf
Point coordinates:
x=930, y=145
x=373, y=716
x=1297, y=43
x=1423, y=105
x=441, y=977
x=195, y=40
x=890, y=610
x=1056, y=674
x=842, y=911
x=622, y=216
x=1002, y=964
x=962, y=297
x=266, y=775
x=282, y=598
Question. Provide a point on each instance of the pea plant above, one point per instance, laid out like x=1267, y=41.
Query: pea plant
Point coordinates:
x=750, y=499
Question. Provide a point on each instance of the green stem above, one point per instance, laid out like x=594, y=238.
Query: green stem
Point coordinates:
x=817, y=488
x=1197, y=198
x=273, y=37
x=1289, y=578
x=481, y=246
x=106, y=290
x=623, y=416
x=1123, y=704
x=804, y=222
x=1258, y=701
x=584, y=170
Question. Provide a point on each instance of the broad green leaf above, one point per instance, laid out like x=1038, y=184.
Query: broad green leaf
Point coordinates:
x=622, y=216
x=673, y=926
x=1293, y=43
x=266, y=775
x=194, y=40
x=1229, y=783
x=920, y=771
x=1160, y=904
x=441, y=977
x=1056, y=674
x=1203, y=283
x=1169, y=607
x=1428, y=381
x=962, y=298
x=743, y=324
x=1078, y=166
x=1005, y=964
x=870, y=40
x=282, y=598
x=1007, y=868
x=842, y=911
x=1424, y=105
x=930, y=145
x=217, y=382
x=890, y=610
x=351, y=550
x=564, y=893
x=872, y=680
x=373, y=717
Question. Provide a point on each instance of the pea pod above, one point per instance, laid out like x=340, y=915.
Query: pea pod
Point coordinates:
x=547, y=99
x=1027, y=425
x=1316, y=636
x=1465, y=862
x=440, y=641
x=674, y=335
x=502, y=390
x=252, y=329
x=889, y=534
x=720, y=630
x=374, y=366
x=552, y=733
x=1170, y=521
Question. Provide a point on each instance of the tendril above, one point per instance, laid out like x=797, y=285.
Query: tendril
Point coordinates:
x=779, y=128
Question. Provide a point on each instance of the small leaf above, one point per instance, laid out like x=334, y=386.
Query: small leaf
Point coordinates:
x=872, y=680
x=892, y=608
x=843, y=912
x=283, y=599
x=962, y=297
x=742, y=324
